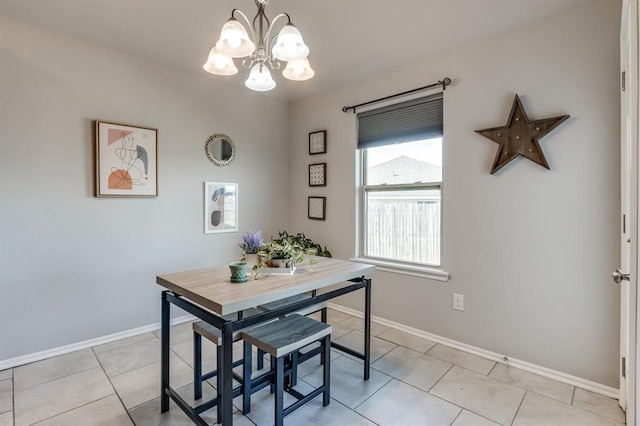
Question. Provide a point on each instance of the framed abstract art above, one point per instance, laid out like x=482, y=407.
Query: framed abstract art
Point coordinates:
x=126, y=160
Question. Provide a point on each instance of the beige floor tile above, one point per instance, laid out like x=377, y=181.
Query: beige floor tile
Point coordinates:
x=358, y=324
x=540, y=410
x=414, y=368
x=529, y=381
x=334, y=316
x=6, y=419
x=488, y=397
x=6, y=395
x=179, y=332
x=124, y=342
x=262, y=404
x=126, y=358
x=316, y=316
x=55, y=397
x=338, y=330
x=148, y=414
x=54, y=368
x=355, y=341
x=407, y=340
x=314, y=413
x=313, y=364
x=599, y=404
x=463, y=359
x=347, y=383
x=401, y=404
x=6, y=374
x=141, y=385
x=467, y=418
x=184, y=350
x=104, y=412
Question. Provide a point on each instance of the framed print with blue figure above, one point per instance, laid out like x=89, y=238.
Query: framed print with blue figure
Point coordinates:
x=220, y=207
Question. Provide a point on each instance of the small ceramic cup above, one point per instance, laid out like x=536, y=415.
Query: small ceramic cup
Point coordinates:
x=238, y=271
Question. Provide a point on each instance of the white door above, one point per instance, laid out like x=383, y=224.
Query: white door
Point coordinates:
x=627, y=275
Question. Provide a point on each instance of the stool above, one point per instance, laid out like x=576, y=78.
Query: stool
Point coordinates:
x=293, y=299
x=322, y=306
x=285, y=337
x=214, y=335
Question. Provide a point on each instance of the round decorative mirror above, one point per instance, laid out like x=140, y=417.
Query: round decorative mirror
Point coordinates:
x=220, y=149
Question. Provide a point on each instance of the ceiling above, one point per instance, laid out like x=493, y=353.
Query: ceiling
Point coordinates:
x=349, y=39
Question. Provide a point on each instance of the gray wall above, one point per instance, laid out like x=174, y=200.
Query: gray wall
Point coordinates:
x=530, y=249
x=74, y=267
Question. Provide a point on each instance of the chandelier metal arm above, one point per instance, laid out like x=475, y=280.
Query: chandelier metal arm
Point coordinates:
x=260, y=38
x=263, y=18
x=246, y=20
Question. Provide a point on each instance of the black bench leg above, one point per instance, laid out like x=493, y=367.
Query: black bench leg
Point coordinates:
x=326, y=395
x=197, y=366
x=246, y=379
x=279, y=385
x=261, y=355
x=294, y=369
x=273, y=368
x=323, y=318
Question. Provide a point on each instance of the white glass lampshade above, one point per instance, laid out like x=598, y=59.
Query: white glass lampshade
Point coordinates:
x=298, y=70
x=219, y=64
x=234, y=40
x=260, y=79
x=289, y=45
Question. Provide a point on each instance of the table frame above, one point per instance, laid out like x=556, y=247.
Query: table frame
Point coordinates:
x=228, y=327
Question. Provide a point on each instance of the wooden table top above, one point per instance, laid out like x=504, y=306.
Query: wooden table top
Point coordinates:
x=212, y=288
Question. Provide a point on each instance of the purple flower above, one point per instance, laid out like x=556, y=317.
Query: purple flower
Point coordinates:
x=251, y=242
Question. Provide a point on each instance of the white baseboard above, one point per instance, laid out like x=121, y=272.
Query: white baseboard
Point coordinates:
x=512, y=362
x=49, y=353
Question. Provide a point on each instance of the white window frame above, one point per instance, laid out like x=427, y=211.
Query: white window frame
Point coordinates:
x=422, y=270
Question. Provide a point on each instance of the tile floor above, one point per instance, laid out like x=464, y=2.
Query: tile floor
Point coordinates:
x=413, y=382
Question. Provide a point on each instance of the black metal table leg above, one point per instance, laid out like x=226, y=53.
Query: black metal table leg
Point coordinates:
x=227, y=374
x=367, y=329
x=164, y=355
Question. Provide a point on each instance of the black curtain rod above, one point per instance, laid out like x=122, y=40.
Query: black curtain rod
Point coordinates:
x=444, y=83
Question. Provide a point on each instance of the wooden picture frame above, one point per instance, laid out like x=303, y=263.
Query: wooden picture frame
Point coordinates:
x=126, y=160
x=317, y=208
x=318, y=174
x=220, y=207
x=318, y=142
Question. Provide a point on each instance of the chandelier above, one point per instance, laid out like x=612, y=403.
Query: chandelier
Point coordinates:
x=261, y=51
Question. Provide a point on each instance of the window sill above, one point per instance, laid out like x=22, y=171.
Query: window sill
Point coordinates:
x=406, y=269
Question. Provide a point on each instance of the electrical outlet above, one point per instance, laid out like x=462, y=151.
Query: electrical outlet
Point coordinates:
x=458, y=302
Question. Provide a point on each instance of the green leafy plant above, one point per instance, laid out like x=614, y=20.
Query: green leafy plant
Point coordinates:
x=288, y=246
x=307, y=244
x=280, y=249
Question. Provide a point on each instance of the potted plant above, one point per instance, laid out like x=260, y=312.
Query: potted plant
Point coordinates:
x=250, y=245
x=280, y=253
x=287, y=250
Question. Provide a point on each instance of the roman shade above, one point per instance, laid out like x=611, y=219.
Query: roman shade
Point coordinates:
x=406, y=121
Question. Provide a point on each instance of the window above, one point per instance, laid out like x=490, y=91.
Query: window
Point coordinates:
x=401, y=183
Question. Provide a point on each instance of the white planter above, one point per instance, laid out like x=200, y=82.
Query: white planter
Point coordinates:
x=252, y=260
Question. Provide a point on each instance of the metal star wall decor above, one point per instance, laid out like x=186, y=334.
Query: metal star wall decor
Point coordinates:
x=520, y=137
